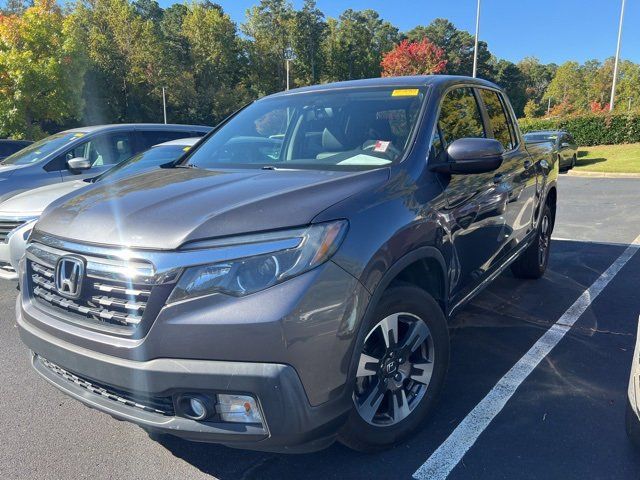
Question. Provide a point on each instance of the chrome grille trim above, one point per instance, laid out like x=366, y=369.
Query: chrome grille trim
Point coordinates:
x=7, y=226
x=161, y=405
x=126, y=311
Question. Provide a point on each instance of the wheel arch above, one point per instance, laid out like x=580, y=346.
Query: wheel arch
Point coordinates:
x=428, y=260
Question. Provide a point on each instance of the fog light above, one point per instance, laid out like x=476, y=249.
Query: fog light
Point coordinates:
x=195, y=406
x=239, y=409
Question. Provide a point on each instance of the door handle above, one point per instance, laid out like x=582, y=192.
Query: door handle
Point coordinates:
x=498, y=178
x=528, y=164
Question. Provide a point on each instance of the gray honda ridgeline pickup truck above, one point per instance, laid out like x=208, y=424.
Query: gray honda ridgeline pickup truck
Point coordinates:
x=289, y=281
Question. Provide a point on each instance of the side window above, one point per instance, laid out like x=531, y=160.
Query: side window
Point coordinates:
x=498, y=117
x=149, y=138
x=460, y=116
x=88, y=150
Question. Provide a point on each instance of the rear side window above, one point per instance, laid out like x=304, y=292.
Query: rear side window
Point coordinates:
x=149, y=138
x=498, y=118
x=460, y=116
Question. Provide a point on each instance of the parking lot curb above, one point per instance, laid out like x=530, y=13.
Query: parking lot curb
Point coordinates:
x=573, y=173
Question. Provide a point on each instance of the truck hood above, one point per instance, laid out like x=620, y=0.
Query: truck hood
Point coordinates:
x=165, y=208
x=32, y=202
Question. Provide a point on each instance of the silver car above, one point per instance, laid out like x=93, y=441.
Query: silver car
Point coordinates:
x=19, y=213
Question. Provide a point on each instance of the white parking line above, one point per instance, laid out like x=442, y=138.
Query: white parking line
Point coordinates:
x=448, y=455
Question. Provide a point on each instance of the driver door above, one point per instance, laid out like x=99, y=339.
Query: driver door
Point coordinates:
x=102, y=151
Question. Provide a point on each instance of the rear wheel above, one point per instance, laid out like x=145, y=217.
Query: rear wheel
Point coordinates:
x=401, y=369
x=532, y=263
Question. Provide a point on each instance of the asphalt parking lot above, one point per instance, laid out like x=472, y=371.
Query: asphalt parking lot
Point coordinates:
x=565, y=421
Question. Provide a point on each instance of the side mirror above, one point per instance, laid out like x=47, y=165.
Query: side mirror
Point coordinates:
x=78, y=164
x=471, y=155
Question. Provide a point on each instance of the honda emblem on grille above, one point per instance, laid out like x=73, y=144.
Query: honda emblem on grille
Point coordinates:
x=69, y=276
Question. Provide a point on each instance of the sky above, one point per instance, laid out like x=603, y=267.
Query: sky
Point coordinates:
x=552, y=30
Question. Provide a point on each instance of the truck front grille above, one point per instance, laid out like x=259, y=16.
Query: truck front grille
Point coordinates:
x=100, y=301
x=7, y=226
x=161, y=405
x=114, y=295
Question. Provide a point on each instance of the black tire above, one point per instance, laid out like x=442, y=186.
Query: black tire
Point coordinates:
x=362, y=436
x=632, y=424
x=573, y=161
x=532, y=263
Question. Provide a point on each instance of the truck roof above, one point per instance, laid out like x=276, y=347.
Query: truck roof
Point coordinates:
x=410, y=81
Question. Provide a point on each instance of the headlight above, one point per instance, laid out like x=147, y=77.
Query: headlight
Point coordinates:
x=309, y=247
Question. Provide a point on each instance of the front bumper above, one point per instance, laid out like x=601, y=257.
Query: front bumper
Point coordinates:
x=291, y=424
x=290, y=346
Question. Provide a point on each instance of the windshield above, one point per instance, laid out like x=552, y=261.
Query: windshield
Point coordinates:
x=541, y=137
x=39, y=150
x=154, y=157
x=350, y=128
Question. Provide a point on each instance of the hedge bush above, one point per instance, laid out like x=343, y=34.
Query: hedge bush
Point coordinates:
x=592, y=129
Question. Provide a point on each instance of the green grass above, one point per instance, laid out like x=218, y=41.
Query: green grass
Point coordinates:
x=609, y=159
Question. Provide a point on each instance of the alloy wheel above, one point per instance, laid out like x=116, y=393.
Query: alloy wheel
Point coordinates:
x=395, y=368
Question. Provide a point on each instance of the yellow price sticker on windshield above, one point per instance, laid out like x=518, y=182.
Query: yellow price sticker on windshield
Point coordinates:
x=186, y=149
x=78, y=135
x=405, y=92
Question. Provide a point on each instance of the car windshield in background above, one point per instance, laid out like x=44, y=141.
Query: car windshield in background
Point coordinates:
x=154, y=157
x=39, y=150
x=349, y=128
x=540, y=137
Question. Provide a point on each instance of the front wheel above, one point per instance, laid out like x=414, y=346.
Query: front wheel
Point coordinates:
x=532, y=263
x=401, y=369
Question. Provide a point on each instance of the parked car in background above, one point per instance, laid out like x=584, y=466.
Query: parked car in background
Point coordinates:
x=82, y=153
x=19, y=213
x=9, y=147
x=289, y=281
x=632, y=417
x=565, y=147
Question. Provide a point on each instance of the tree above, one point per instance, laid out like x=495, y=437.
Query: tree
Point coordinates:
x=127, y=68
x=536, y=77
x=509, y=77
x=215, y=63
x=413, y=58
x=15, y=7
x=355, y=44
x=268, y=28
x=41, y=70
x=148, y=10
x=568, y=89
x=531, y=109
x=309, y=29
x=458, y=46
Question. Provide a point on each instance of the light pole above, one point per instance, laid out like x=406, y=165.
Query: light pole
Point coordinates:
x=615, y=67
x=288, y=56
x=164, y=105
x=475, y=48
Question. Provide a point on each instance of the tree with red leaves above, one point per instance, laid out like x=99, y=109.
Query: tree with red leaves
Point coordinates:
x=413, y=58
